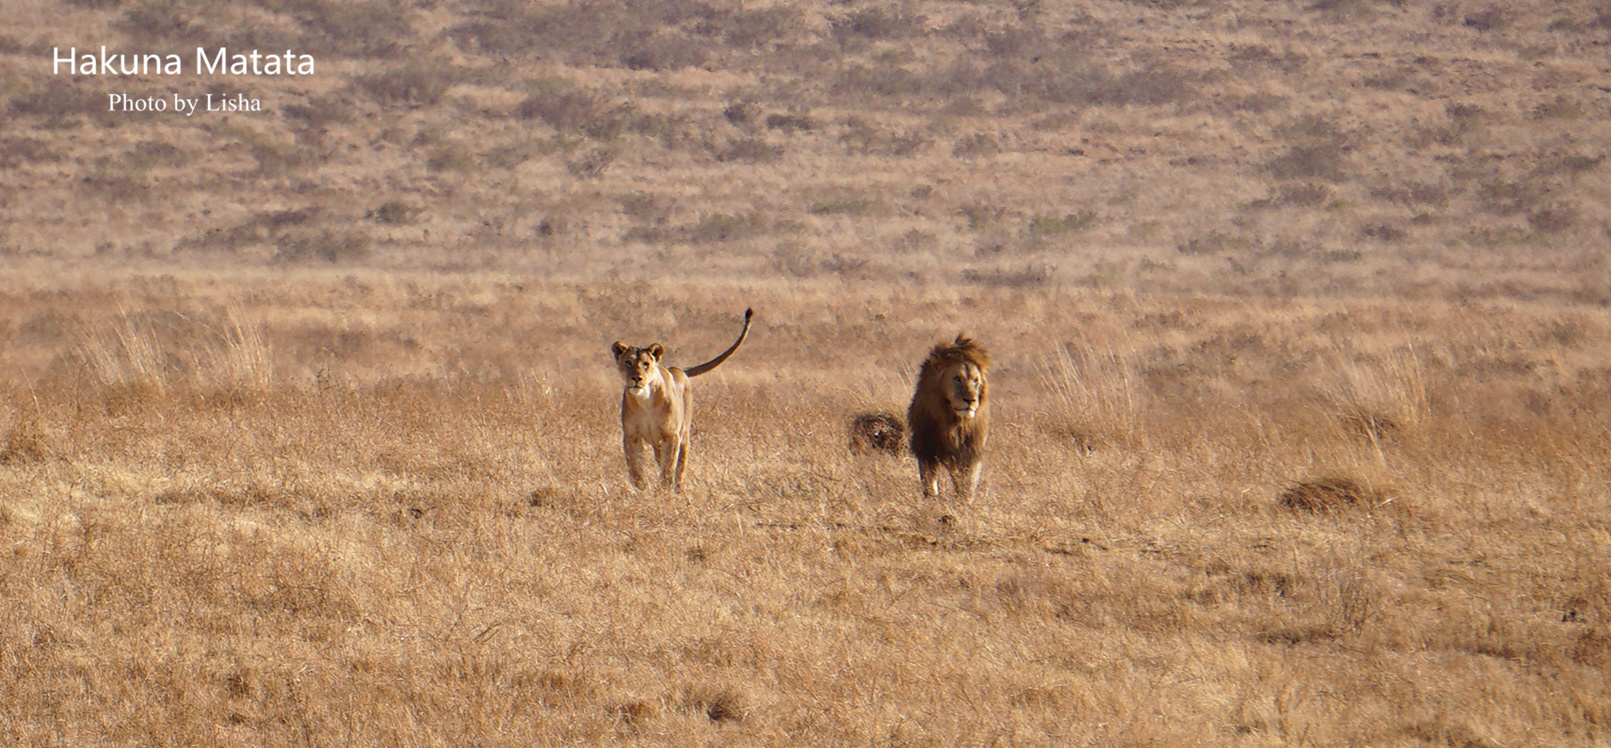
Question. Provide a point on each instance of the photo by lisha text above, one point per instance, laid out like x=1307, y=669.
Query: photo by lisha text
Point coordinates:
x=186, y=105
x=216, y=62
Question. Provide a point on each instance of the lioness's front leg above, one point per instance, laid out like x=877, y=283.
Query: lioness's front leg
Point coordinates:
x=633, y=447
x=682, y=464
x=670, y=454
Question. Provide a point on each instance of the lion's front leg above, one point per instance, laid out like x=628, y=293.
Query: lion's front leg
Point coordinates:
x=965, y=479
x=929, y=474
x=633, y=447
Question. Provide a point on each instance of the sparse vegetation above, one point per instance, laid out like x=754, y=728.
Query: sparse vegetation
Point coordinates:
x=1300, y=401
x=363, y=488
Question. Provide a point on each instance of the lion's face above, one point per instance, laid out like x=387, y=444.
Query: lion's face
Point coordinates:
x=638, y=366
x=965, y=389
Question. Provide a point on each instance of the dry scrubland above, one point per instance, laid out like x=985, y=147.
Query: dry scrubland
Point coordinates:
x=307, y=419
x=389, y=509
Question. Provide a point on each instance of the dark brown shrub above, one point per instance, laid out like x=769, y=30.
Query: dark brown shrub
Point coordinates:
x=26, y=443
x=877, y=432
x=1492, y=18
x=663, y=52
x=348, y=29
x=394, y=213
x=16, y=152
x=877, y=23
x=977, y=145
x=578, y=112
x=1553, y=219
x=420, y=83
x=329, y=245
x=791, y=122
x=747, y=150
x=1328, y=495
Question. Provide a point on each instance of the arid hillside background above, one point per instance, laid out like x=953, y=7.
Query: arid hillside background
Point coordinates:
x=1301, y=397
x=1290, y=147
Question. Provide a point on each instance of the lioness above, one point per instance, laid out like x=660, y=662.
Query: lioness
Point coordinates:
x=950, y=416
x=657, y=407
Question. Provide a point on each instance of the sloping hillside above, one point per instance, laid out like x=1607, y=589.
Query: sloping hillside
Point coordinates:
x=1338, y=145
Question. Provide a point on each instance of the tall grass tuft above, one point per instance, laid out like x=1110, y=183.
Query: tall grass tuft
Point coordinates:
x=1096, y=397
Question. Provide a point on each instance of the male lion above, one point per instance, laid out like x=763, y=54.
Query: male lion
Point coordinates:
x=657, y=407
x=950, y=416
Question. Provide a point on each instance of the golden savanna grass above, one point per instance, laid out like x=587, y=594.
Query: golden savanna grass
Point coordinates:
x=405, y=521
x=308, y=428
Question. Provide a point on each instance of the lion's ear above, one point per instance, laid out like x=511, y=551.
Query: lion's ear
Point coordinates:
x=656, y=351
x=619, y=348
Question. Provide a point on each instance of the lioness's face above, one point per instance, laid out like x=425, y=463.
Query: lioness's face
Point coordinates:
x=965, y=389
x=637, y=366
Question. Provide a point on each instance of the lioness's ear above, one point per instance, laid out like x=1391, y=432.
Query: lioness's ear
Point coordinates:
x=618, y=348
x=656, y=351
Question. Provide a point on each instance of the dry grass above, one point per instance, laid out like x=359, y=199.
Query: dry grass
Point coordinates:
x=387, y=509
x=307, y=429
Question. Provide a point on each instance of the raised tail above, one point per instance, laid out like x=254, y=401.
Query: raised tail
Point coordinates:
x=694, y=371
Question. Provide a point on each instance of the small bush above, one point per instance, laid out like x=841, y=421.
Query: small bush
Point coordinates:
x=747, y=150
x=329, y=245
x=451, y=157
x=26, y=443
x=170, y=21
x=275, y=158
x=753, y=28
x=864, y=138
x=664, y=52
x=739, y=112
x=1213, y=243
x=885, y=81
x=1508, y=198
x=1327, y=161
x=1560, y=107
x=1070, y=222
x=791, y=122
x=724, y=227
x=849, y=205
x=591, y=164
x=577, y=112
x=1493, y=18
x=349, y=29
x=877, y=432
x=320, y=111
x=394, y=213
x=1025, y=276
x=16, y=152
x=1328, y=495
x=1383, y=232
x=977, y=145
x=1553, y=219
x=147, y=154
x=877, y=23
x=421, y=83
